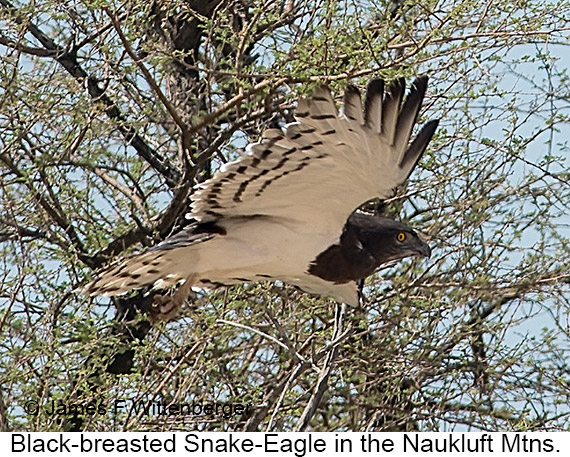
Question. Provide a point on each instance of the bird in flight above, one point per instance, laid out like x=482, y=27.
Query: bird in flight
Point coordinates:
x=288, y=209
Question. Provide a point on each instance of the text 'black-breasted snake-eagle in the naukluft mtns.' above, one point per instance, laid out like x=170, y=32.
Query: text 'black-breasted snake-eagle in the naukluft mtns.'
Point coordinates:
x=287, y=210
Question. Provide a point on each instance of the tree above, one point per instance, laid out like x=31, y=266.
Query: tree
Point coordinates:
x=110, y=112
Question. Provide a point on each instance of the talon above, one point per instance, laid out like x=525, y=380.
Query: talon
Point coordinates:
x=164, y=308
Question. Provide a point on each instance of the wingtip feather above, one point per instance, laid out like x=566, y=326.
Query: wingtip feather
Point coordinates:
x=352, y=106
x=408, y=115
x=391, y=108
x=373, y=104
x=417, y=148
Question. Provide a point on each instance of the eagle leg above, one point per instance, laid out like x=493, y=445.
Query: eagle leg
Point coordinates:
x=165, y=307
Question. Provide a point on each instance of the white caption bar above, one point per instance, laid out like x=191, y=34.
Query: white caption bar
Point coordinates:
x=287, y=444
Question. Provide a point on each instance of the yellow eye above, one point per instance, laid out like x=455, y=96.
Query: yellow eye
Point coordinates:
x=401, y=236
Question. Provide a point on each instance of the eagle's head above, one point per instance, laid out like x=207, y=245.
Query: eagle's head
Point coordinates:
x=367, y=242
x=386, y=239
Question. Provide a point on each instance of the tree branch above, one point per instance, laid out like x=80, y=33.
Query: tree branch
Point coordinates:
x=68, y=60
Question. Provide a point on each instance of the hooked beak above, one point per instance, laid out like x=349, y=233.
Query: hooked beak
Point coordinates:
x=424, y=249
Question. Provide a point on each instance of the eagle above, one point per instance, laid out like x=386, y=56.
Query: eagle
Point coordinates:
x=288, y=210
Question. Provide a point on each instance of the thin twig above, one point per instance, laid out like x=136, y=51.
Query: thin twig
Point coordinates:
x=152, y=83
x=328, y=365
x=251, y=329
x=285, y=389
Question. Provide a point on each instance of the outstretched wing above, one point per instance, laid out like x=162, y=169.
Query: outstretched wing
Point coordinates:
x=318, y=170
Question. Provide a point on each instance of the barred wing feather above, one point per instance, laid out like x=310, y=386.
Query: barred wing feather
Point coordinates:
x=318, y=170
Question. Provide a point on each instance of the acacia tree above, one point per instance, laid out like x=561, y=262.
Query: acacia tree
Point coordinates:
x=111, y=111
